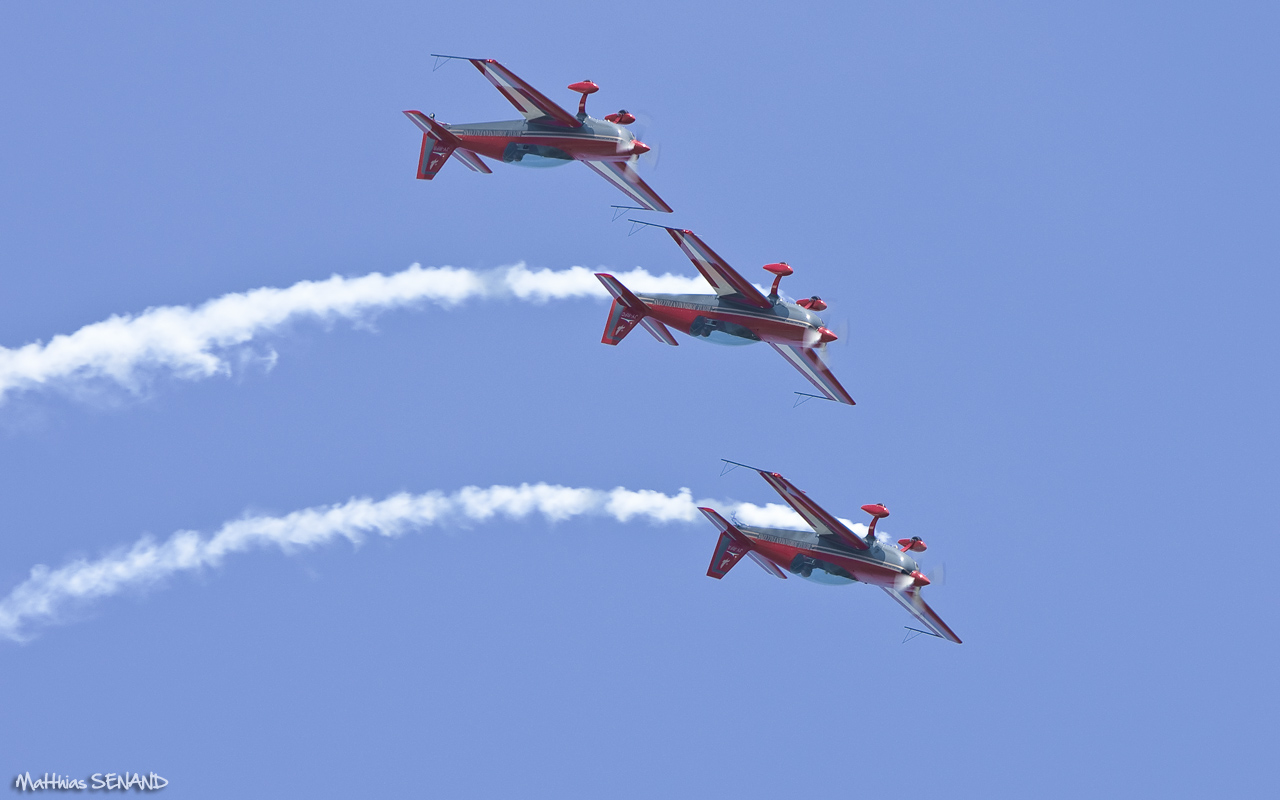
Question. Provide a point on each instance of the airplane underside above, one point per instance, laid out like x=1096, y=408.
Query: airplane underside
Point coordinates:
x=714, y=324
x=822, y=566
x=547, y=136
x=558, y=147
x=828, y=552
x=828, y=569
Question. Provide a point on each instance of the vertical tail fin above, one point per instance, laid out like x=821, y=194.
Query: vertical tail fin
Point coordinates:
x=431, y=159
x=731, y=547
x=627, y=311
x=621, y=320
x=729, y=552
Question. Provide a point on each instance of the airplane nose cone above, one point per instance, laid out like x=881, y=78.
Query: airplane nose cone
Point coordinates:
x=639, y=148
x=920, y=579
x=825, y=335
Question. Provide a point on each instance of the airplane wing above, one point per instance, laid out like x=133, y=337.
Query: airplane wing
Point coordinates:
x=811, y=365
x=911, y=600
x=533, y=104
x=813, y=513
x=729, y=285
x=624, y=176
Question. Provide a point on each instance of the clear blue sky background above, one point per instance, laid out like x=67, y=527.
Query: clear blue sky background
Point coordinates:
x=1051, y=229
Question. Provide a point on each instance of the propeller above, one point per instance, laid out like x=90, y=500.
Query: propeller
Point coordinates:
x=840, y=328
x=938, y=575
x=642, y=125
x=818, y=338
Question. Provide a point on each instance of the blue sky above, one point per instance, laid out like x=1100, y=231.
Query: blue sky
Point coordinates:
x=1049, y=230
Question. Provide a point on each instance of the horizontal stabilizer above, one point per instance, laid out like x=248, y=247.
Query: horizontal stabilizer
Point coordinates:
x=432, y=128
x=659, y=331
x=472, y=161
x=767, y=565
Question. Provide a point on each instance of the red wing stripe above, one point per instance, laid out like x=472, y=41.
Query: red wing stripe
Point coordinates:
x=810, y=365
x=918, y=608
x=722, y=277
x=627, y=170
x=531, y=103
x=629, y=183
x=813, y=513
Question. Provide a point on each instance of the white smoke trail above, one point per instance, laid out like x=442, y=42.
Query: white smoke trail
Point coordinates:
x=46, y=594
x=193, y=342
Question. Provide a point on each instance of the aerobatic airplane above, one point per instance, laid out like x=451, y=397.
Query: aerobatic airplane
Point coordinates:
x=830, y=553
x=548, y=136
x=736, y=314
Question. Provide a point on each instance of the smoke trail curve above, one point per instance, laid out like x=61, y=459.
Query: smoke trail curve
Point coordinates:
x=192, y=342
x=47, y=593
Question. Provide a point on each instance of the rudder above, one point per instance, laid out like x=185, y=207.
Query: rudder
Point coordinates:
x=434, y=154
x=621, y=320
x=729, y=551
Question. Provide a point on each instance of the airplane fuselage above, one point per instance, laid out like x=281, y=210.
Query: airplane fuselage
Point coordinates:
x=826, y=559
x=530, y=144
x=725, y=322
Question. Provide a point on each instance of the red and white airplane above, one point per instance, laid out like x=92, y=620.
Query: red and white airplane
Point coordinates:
x=830, y=553
x=738, y=313
x=548, y=136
